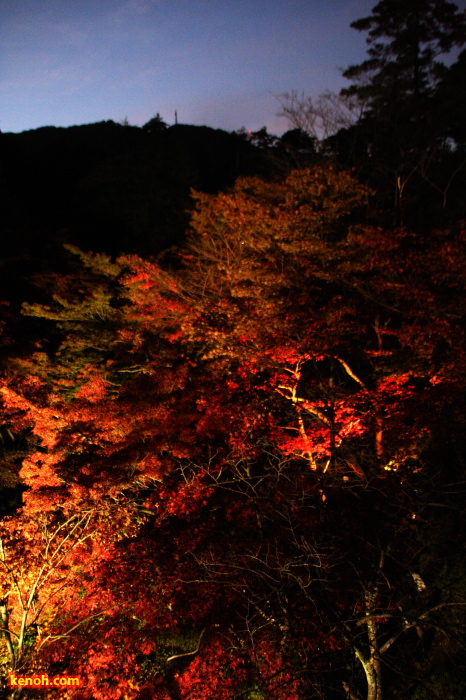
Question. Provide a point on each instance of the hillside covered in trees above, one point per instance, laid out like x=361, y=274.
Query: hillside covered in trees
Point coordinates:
x=233, y=395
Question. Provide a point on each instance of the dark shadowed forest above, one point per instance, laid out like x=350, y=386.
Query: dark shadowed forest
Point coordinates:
x=233, y=378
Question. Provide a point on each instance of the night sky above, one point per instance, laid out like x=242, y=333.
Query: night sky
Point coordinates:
x=216, y=62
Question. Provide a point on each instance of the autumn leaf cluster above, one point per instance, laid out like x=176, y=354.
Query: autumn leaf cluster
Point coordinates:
x=231, y=457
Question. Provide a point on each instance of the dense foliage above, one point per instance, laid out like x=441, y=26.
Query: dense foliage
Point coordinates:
x=237, y=470
x=244, y=473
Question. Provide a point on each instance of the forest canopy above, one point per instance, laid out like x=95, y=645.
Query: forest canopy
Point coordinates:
x=236, y=469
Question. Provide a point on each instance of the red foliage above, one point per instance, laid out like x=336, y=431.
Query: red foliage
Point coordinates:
x=224, y=425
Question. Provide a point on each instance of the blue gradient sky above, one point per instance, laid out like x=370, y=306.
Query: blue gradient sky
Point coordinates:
x=219, y=63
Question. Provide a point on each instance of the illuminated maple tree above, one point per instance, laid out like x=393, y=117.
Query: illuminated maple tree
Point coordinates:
x=255, y=431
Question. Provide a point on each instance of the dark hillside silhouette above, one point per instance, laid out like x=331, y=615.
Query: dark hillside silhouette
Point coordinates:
x=108, y=187
x=112, y=186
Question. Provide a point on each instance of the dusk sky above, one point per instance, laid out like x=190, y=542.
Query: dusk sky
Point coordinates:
x=216, y=62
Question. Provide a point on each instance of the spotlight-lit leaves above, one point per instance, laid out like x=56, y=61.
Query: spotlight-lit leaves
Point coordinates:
x=253, y=429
